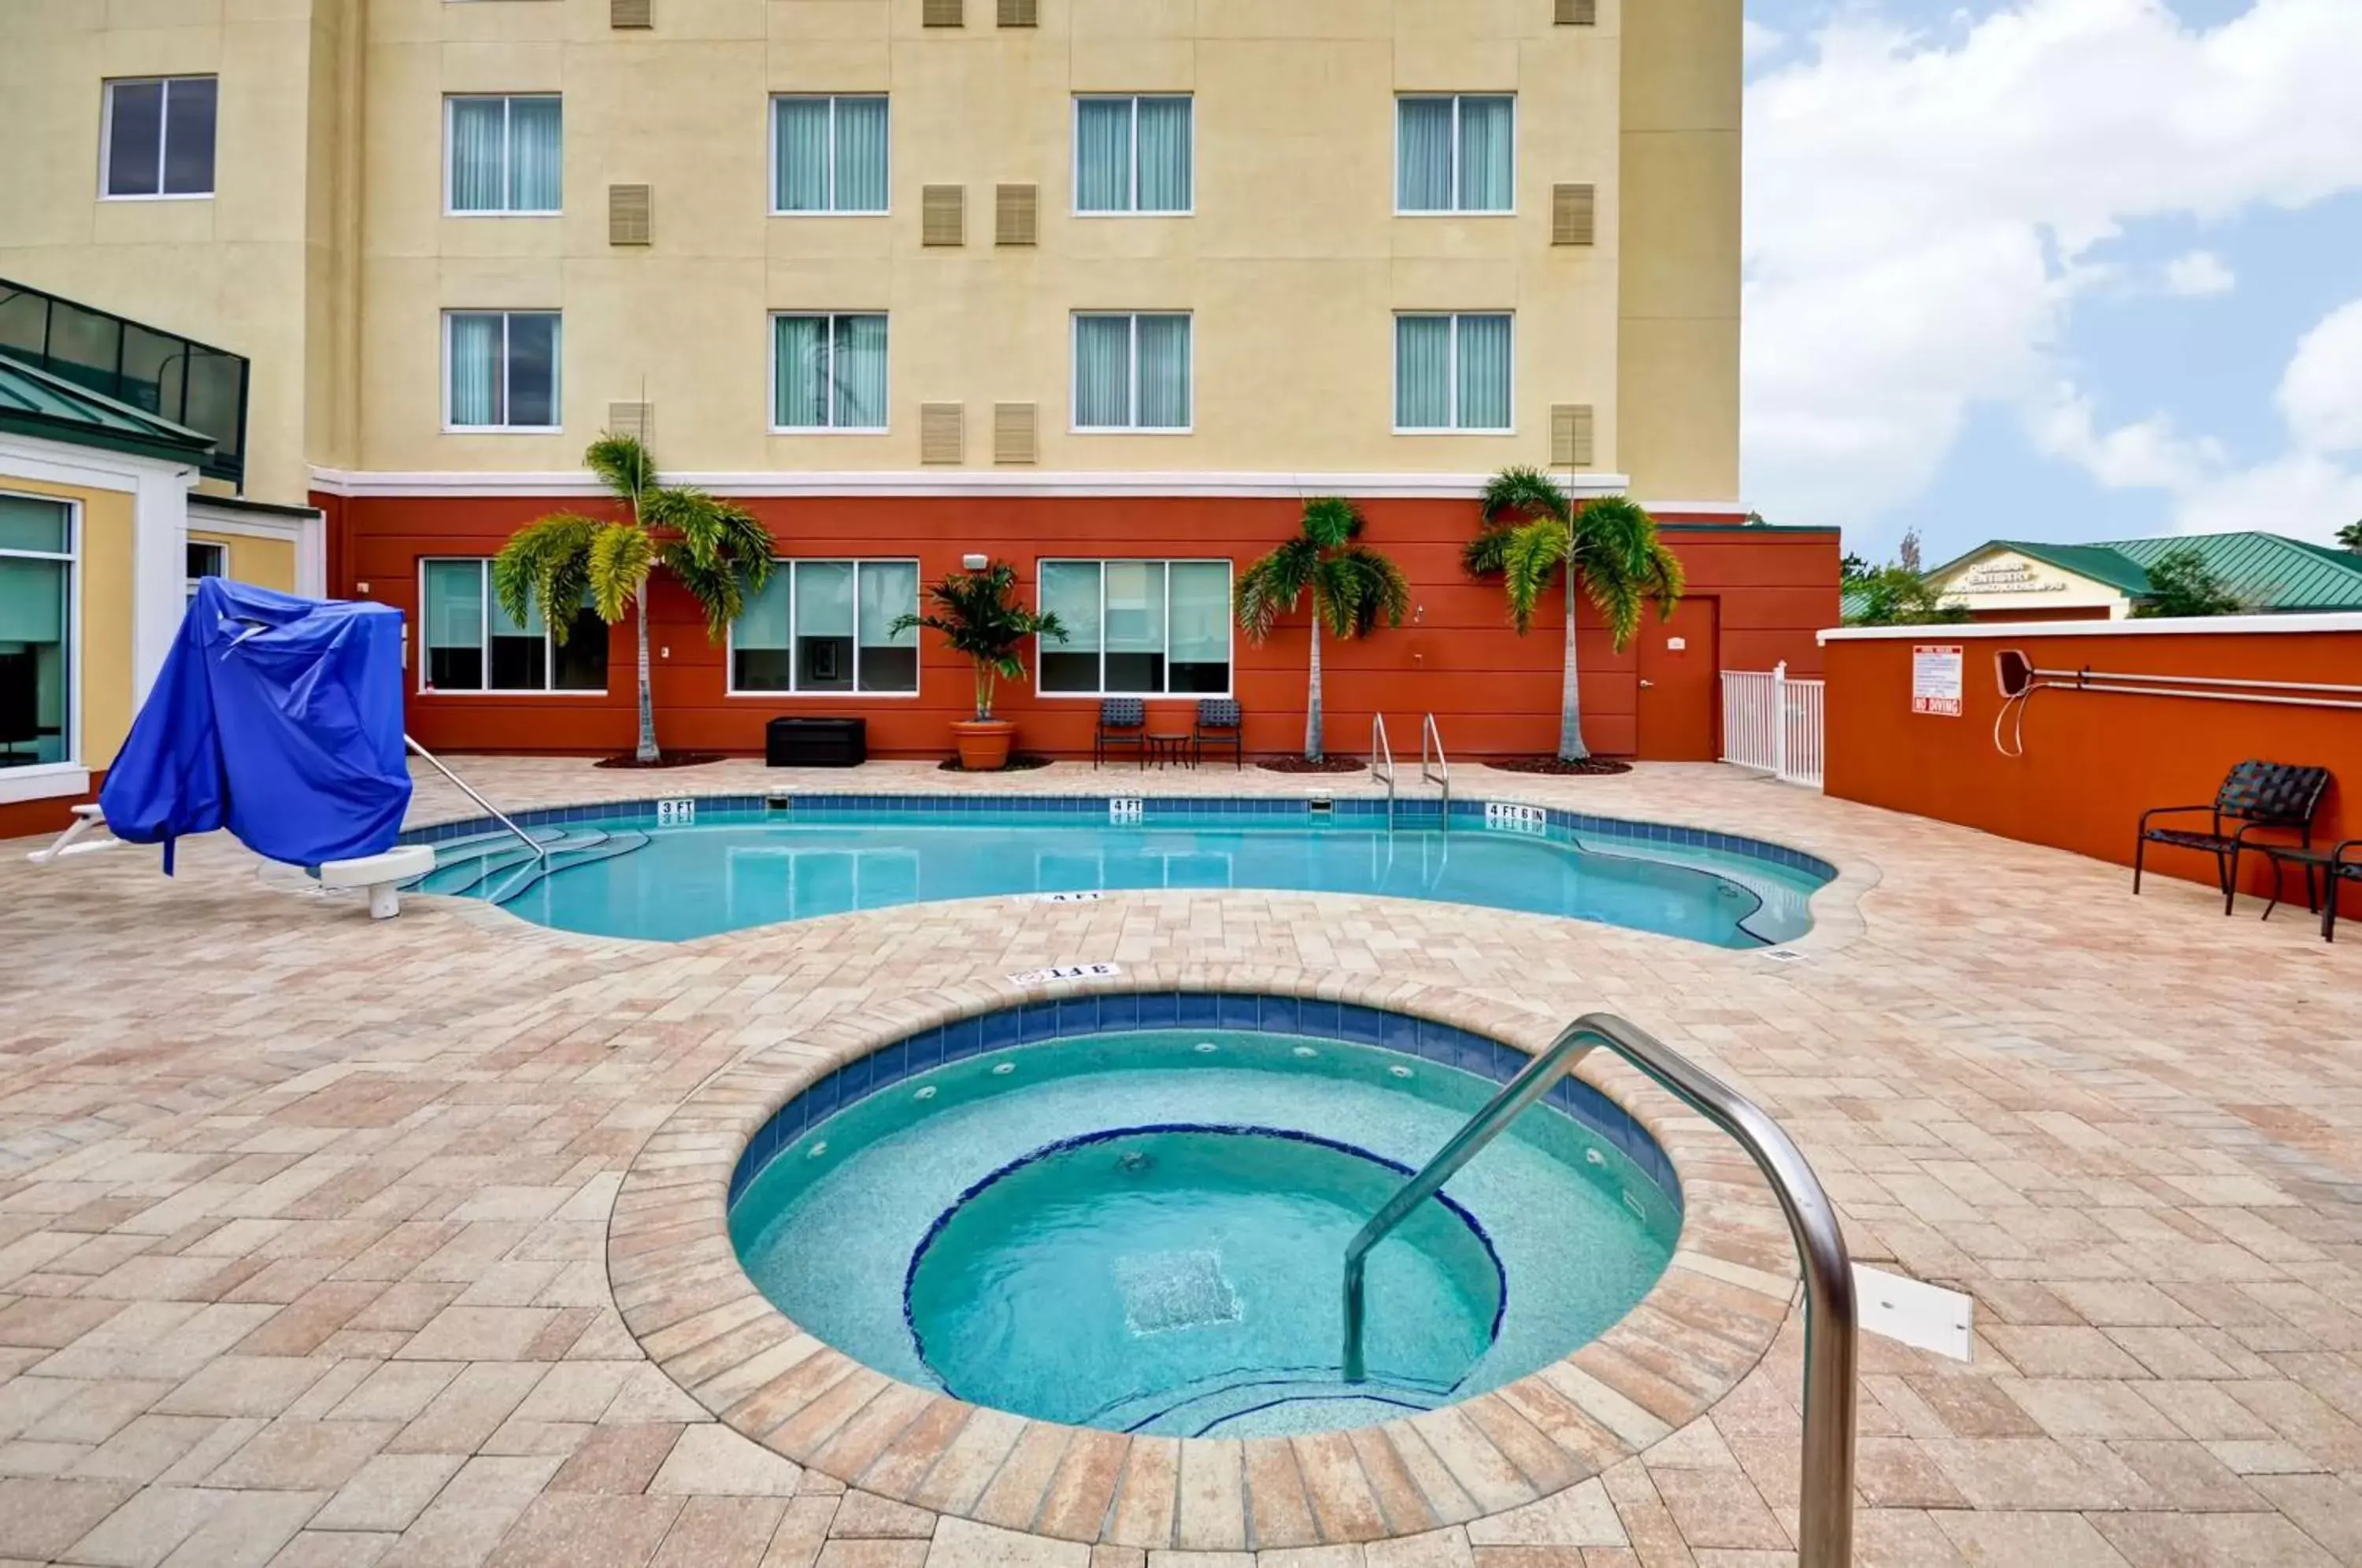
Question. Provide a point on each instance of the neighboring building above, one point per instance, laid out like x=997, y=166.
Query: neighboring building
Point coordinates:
x=2010, y=580
x=1101, y=287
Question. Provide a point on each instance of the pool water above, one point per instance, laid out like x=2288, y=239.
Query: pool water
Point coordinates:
x=1145, y=1231
x=629, y=877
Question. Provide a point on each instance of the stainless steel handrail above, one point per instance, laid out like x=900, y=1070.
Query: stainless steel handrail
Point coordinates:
x=1434, y=766
x=540, y=851
x=1826, y=1533
x=1379, y=747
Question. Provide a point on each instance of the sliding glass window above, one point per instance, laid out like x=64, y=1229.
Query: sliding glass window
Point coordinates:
x=472, y=645
x=828, y=372
x=501, y=369
x=158, y=138
x=1131, y=372
x=1137, y=628
x=1453, y=372
x=504, y=154
x=828, y=155
x=828, y=627
x=36, y=643
x=1134, y=155
x=1455, y=154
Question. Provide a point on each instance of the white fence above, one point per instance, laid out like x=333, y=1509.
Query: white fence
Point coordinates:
x=1774, y=723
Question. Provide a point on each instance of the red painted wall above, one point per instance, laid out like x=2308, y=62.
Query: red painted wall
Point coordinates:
x=1493, y=692
x=2093, y=762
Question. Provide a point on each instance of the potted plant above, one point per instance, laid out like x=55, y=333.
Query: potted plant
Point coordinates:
x=978, y=614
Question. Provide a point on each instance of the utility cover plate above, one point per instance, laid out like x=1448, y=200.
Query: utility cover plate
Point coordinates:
x=1925, y=1317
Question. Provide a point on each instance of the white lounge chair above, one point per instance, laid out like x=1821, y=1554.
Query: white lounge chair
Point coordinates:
x=382, y=875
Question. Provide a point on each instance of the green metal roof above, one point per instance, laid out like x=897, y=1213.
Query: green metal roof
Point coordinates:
x=2100, y=563
x=2266, y=570
x=35, y=403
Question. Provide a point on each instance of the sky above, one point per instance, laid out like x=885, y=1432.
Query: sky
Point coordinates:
x=2062, y=270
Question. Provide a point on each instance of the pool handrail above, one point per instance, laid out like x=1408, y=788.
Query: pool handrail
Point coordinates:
x=1826, y=1514
x=1434, y=766
x=540, y=850
x=1379, y=747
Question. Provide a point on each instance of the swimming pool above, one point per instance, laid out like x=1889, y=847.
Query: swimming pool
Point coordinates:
x=636, y=869
x=1140, y=1226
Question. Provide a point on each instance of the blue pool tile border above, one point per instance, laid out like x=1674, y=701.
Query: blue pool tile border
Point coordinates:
x=1153, y=809
x=1073, y=1018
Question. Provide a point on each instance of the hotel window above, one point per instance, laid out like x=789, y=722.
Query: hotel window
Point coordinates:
x=828, y=372
x=1455, y=154
x=1132, y=371
x=1137, y=628
x=471, y=645
x=1451, y=372
x=1133, y=155
x=37, y=563
x=205, y=560
x=501, y=369
x=828, y=627
x=828, y=155
x=505, y=155
x=158, y=138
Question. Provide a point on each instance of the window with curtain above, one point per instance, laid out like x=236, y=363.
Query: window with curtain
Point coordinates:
x=828, y=627
x=204, y=559
x=505, y=154
x=828, y=372
x=828, y=155
x=1144, y=628
x=1455, y=153
x=471, y=644
x=501, y=369
x=1134, y=155
x=36, y=568
x=158, y=138
x=1132, y=371
x=1453, y=372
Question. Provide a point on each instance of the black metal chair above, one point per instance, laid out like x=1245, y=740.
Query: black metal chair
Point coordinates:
x=1220, y=726
x=2345, y=866
x=1123, y=722
x=2258, y=796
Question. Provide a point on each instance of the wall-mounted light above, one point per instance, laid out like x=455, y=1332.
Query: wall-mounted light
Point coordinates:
x=975, y=563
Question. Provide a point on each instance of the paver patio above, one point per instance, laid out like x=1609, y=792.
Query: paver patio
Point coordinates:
x=305, y=1220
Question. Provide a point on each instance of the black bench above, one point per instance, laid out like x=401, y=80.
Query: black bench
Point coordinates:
x=816, y=742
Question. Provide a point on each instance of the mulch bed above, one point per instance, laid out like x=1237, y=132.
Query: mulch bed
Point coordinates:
x=1298, y=765
x=1590, y=766
x=1019, y=762
x=666, y=759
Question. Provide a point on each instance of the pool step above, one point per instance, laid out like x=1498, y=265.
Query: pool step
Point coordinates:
x=495, y=867
x=1248, y=1404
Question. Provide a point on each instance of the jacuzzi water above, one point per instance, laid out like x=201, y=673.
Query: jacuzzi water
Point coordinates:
x=1145, y=1231
x=629, y=877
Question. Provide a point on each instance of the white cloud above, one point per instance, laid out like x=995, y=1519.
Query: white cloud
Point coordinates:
x=1760, y=42
x=1922, y=212
x=2321, y=395
x=2197, y=273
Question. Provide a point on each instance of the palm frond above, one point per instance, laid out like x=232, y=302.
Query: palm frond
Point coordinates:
x=1667, y=580
x=1274, y=586
x=1332, y=521
x=1522, y=495
x=1535, y=552
x=620, y=559
x=717, y=548
x=1623, y=565
x=547, y=562
x=626, y=467
x=1484, y=555
x=1367, y=588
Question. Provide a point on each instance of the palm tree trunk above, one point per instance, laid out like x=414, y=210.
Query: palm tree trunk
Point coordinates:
x=647, y=751
x=1570, y=698
x=1312, y=702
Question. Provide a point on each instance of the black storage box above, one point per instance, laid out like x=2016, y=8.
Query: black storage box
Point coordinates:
x=816, y=742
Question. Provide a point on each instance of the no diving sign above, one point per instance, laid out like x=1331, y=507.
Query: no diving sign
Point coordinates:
x=1936, y=679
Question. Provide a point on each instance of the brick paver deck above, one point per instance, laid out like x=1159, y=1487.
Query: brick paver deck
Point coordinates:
x=306, y=1223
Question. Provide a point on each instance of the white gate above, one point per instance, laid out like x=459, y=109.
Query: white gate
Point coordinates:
x=1774, y=723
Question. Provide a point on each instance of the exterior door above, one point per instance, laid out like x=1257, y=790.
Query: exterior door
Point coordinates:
x=1680, y=683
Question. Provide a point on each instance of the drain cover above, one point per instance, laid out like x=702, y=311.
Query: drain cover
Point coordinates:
x=1166, y=1292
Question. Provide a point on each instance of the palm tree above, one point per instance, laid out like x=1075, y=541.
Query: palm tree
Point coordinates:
x=1531, y=529
x=1352, y=588
x=977, y=614
x=717, y=550
x=2351, y=537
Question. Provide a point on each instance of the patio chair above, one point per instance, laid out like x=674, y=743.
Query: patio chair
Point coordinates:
x=2256, y=796
x=1123, y=722
x=2345, y=866
x=1221, y=726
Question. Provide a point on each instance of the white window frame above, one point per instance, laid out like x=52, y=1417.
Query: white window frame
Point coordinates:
x=771, y=160
x=163, y=138
x=556, y=372
x=1230, y=626
x=788, y=564
x=1074, y=425
x=1075, y=158
x=17, y=783
x=1451, y=363
x=832, y=318
x=484, y=645
x=508, y=157
x=1455, y=210
x=221, y=557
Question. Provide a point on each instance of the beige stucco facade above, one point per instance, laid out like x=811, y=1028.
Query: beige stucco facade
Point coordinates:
x=2000, y=582
x=326, y=256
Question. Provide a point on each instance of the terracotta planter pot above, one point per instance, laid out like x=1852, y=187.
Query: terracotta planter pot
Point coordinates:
x=984, y=743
